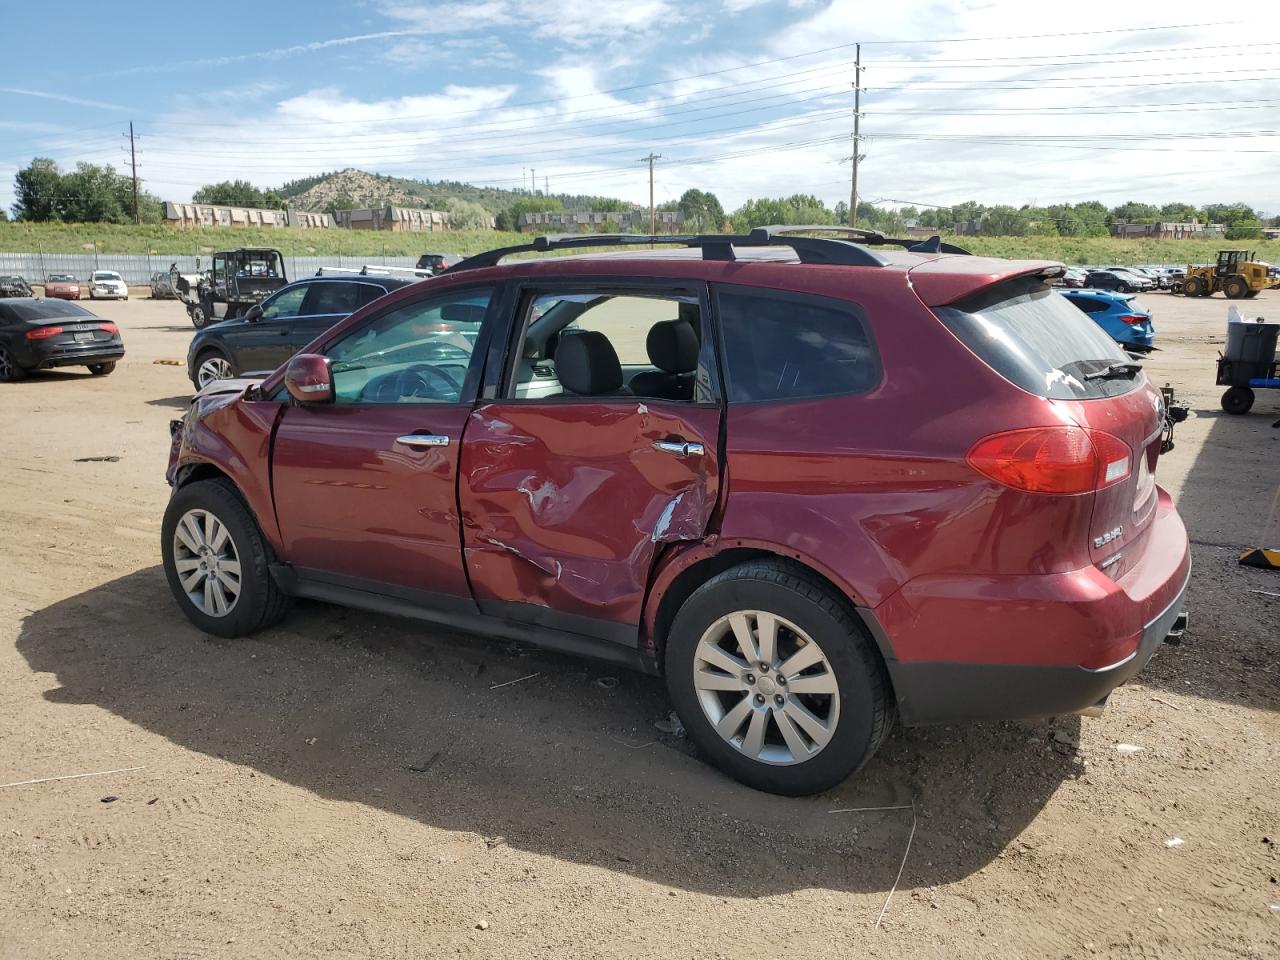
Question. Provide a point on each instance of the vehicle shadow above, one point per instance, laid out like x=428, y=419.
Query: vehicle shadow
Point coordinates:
x=433, y=725
x=1230, y=502
x=180, y=402
x=52, y=375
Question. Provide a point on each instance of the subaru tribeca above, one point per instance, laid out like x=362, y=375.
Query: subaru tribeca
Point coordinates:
x=818, y=484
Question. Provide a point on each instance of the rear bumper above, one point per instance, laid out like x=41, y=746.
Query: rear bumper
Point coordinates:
x=950, y=692
x=1010, y=647
x=79, y=357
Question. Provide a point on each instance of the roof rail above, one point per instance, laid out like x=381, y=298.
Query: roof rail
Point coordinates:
x=875, y=238
x=715, y=246
x=374, y=270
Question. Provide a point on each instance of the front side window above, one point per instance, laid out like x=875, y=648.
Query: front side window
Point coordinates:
x=790, y=347
x=287, y=303
x=419, y=352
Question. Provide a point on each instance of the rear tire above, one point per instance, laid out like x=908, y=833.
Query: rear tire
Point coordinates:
x=779, y=738
x=9, y=368
x=102, y=369
x=1237, y=400
x=243, y=559
x=1235, y=288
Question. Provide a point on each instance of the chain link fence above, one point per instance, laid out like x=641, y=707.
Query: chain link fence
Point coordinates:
x=137, y=269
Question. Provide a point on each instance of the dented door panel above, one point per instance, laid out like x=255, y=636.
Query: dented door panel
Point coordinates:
x=565, y=504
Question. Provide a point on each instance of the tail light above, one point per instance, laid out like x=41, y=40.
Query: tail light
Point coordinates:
x=43, y=333
x=108, y=328
x=1063, y=460
x=1134, y=319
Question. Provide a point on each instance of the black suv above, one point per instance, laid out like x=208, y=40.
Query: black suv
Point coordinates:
x=437, y=263
x=274, y=330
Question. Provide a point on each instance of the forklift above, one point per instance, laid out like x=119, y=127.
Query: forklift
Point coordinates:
x=235, y=280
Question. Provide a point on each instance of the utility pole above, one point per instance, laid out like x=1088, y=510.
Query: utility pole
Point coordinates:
x=653, y=215
x=133, y=163
x=533, y=182
x=857, y=139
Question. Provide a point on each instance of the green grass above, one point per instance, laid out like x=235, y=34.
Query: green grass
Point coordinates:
x=162, y=240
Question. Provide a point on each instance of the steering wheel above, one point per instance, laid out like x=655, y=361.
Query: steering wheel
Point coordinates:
x=415, y=379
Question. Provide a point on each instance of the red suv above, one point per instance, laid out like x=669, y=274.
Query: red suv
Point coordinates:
x=814, y=483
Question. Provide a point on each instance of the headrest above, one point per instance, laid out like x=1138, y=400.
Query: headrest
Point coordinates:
x=673, y=346
x=587, y=364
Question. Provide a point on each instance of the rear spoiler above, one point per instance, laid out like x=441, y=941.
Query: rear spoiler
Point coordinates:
x=948, y=279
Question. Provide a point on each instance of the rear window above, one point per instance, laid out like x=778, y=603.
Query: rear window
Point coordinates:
x=1030, y=335
x=789, y=347
x=37, y=311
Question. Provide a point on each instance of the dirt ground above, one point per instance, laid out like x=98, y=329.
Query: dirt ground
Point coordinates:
x=349, y=785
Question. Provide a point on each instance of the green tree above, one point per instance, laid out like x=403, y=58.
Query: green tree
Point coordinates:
x=96, y=194
x=605, y=205
x=238, y=193
x=1178, y=212
x=1004, y=221
x=702, y=211
x=1244, y=229
x=1135, y=212
x=466, y=214
x=38, y=187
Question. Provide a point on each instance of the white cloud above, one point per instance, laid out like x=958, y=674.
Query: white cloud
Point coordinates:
x=63, y=98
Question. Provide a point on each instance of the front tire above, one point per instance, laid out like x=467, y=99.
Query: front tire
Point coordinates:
x=1237, y=400
x=102, y=369
x=776, y=681
x=211, y=365
x=198, y=317
x=217, y=561
x=1194, y=287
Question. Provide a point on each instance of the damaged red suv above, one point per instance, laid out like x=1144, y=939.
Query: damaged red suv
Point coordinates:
x=816, y=483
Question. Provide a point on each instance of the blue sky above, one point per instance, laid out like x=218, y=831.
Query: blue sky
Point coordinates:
x=993, y=101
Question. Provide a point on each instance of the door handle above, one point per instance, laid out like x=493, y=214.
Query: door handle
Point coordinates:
x=679, y=448
x=423, y=440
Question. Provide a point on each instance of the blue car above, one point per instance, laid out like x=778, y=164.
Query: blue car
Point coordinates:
x=1124, y=321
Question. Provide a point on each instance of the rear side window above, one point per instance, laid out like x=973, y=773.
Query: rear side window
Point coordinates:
x=1030, y=335
x=331, y=297
x=790, y=347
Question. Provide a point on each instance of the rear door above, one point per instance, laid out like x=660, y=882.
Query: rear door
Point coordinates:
x=568, y=498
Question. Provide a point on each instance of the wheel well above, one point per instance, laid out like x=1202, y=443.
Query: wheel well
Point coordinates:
x=690, y=580
x=203, y=471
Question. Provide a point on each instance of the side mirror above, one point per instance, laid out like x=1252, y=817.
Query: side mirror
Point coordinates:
x=307, y=378
x=254, y=313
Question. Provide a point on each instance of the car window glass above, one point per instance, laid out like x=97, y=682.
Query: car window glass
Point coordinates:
x=286, y=303
x=625, y=321
x=789, y=347
x=370, y=293
x=331, y=297
x=418, y=352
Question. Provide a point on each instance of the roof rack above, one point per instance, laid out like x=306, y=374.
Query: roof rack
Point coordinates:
x=374, y=270
x=717, y=246
x=933, y=244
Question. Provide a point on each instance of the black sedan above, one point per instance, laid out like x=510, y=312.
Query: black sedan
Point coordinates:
x=271, y=332
x=38, y=334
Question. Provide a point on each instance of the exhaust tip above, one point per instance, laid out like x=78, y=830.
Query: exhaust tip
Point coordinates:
x=1174, y=636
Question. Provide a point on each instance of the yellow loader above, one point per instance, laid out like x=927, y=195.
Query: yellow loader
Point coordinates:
x=1236, y=274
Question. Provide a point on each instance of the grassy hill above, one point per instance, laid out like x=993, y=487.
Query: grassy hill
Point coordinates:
x=356, y=188
x=112, y=238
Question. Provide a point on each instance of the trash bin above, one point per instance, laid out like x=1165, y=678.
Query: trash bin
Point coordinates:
x=1251, y=342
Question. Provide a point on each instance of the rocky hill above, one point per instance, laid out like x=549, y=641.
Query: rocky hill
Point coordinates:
x=357, y=188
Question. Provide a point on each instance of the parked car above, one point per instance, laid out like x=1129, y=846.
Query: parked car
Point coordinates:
x=162, y=287
x=732, y=471
x=107, y=285
x=39, y=334
x=1072, y=278
x=62, y=286
x=1123, y=319
x=437, y=263
x=1115, y=278
x=12, y=285
x=272, y=331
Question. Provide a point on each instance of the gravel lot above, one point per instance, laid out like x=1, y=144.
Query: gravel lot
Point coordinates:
x=351, y=785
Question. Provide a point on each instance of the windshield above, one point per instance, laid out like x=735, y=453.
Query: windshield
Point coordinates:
x=105, y=275
x=1033, y=337
x=61, y=278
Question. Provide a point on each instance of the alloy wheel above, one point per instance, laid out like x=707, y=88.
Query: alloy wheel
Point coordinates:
x=211, y=369
x=207, y=563
x=7, y=366
x=766, y=687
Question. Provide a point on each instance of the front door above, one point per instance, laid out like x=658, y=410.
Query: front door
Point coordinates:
x=571, y=482
x=258, y=341
x=366, y=487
